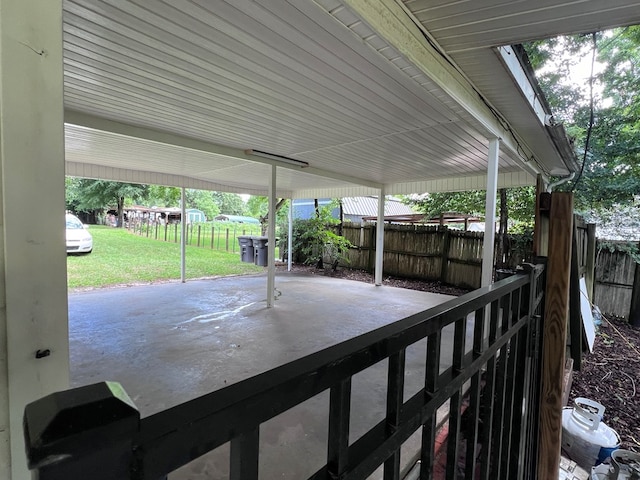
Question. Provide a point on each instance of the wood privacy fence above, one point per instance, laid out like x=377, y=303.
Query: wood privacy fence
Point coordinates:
x=417, y=251
x=616, y=282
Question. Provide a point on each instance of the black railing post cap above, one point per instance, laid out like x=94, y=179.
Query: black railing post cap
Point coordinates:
x=81, y=420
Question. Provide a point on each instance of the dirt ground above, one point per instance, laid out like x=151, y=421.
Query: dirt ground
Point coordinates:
x=610, y=375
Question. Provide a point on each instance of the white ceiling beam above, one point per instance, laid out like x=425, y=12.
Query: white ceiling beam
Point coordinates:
x=395, y=26
x=127, y=175
x=119, y=128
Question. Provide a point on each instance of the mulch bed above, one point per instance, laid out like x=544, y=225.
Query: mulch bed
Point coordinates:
x=610, y=375
x=362, y=276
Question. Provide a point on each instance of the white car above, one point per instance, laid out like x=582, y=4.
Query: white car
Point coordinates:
x=79, y=240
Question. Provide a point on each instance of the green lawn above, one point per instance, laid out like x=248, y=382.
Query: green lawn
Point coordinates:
x=120, y=257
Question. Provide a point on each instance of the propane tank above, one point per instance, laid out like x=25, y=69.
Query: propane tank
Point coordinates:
x=624, y=465
x=585, y=438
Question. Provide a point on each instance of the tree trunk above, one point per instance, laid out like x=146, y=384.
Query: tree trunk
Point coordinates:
x=264, y=220
x=120, y=212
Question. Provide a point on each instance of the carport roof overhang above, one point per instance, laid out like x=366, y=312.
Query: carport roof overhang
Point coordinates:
x=368, y=93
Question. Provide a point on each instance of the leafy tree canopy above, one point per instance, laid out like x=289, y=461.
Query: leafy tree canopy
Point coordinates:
x=86, y=195
x=520, y=203
x=229, y=203
x=611, y=173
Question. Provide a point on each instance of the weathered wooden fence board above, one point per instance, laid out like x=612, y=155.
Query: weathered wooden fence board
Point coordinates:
x=615, y=272
x=418, y=251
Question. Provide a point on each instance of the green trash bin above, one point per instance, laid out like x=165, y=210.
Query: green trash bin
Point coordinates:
x=246, y=248
x=260, y=254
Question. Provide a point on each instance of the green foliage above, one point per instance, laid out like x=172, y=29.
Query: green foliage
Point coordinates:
x=161, y=196
x=520, y=203
x=630, y=248
x=202, y=200
x=88, y=194
x=257, y=206
x=229, y=203
x=315, y=242
x=611, y=174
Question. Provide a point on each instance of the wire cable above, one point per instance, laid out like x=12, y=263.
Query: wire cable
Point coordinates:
x=591, y=114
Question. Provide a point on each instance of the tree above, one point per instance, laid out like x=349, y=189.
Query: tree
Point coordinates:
x=610, y=174
x=258, y=207
x=91, y=194
x=519, y=203
x=229, y=203
x=202, y=200
x=315, y=241
x=162, y=196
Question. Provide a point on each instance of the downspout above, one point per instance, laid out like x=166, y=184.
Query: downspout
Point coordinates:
x=553, y=185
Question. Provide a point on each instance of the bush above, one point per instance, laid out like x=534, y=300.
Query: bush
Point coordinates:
x=316, y=243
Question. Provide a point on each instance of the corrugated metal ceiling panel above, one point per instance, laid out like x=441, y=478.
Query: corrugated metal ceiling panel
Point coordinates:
x=307, y=80
x=476, y=24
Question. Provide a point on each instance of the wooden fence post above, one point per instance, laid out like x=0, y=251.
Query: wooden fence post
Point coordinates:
x=590, y=274
x=634, y=312
x=575, y=315
x=372, y=248
x=444, y=257
x=555, y=333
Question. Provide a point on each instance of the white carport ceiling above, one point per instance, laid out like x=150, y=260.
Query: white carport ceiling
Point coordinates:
x=175, y=92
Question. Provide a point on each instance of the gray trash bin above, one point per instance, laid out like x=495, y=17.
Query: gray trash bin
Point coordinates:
x=261, y=257
x=246, y=248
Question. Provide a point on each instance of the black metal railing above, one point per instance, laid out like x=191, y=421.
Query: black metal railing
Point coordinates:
x=491, y=389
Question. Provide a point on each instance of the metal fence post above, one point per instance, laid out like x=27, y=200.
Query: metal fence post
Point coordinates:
x=85, y=432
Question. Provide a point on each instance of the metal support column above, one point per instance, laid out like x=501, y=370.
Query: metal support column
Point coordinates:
x=183, y=236
x=271, y=243
x=490, y=213
x=380, y=239
x=290, y=237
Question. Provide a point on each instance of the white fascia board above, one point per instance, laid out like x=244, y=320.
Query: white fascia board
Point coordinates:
x=510, y=59
x=336, y=192
x=89, y=170
x=395, y=26
x=127, y=130
x=461, y=184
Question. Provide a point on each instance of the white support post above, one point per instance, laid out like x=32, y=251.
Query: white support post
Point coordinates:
x=490, y=213
x=290, y=237
x=183, y=236
x=34, y=337
x=380, y=239
x=271, y=242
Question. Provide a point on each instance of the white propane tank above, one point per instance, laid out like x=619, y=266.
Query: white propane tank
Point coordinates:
x=624, y=465
x=585, y=438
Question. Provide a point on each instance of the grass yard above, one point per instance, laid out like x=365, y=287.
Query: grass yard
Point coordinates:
x=120, y=257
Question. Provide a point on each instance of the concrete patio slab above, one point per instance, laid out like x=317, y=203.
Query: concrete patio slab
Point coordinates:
x=171, y=342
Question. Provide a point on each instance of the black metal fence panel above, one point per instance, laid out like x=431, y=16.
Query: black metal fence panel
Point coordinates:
x=490, y=387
